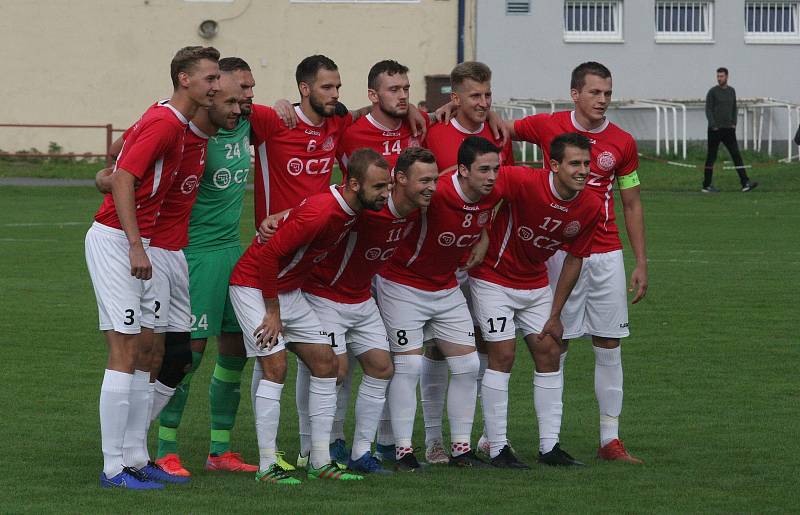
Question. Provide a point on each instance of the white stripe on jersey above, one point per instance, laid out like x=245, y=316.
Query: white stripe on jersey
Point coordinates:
x=159, y=169
x=506, y=237
x=607, y=199
x=348, y=252
x=262, y=154
x=423, y=229
x=296, y=259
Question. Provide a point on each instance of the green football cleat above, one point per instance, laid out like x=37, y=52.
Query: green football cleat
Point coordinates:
x=332, y=471
x=277, y=475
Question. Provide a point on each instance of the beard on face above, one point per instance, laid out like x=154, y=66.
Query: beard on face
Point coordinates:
x=246, y=107
x=374, y=205
x=392, y=113
x=318, y=107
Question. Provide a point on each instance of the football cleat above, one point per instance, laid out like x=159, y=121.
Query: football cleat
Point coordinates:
x=385, y=453
x=229, y=462
x=302, y=461
x=558, y=457
x=153, y=472
x=710, y=189
x=749, y=186
x=339, y=452
x=285, y=465
x=436, y=455
x=467, y=460
x=332, y=471
x=408, y=463
x=483, y=445
x=171, y=463
x=367, y=464
x=130, y=479
x=615, y=451
x=507, y=460
x=277, y=475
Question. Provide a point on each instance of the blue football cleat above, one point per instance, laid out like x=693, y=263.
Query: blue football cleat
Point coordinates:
x=130, y=479
x=368, y=464
x=385, y=453
x=154, y=472
x=339, y=452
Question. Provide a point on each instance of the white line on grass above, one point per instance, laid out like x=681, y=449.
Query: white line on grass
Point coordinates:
x=14, y=240
x=37, y=224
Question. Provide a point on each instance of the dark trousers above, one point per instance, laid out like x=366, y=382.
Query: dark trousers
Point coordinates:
x=726, y=136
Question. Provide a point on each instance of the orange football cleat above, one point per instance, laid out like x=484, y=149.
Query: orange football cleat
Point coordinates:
x=615, y=451
x=229, y=462
x=171, y=463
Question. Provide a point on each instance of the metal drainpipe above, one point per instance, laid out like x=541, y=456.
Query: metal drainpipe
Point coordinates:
x=460, y=47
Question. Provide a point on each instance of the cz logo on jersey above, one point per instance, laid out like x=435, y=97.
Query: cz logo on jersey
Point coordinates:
x=189, y=184
x=296, y=166
x=542, y=242
x=447, y=239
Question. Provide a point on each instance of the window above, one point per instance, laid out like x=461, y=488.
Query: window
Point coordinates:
x=597, y=21
x=688, y=22
x=518, y=7
x=354, y=1
x=771, y=22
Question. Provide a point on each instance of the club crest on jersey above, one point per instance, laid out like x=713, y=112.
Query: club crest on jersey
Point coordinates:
x=189, y=184
x=294, y=166
x=572, y=229
x=525, y=233
x=606, y=161
x=483, y=218
x=328, y=145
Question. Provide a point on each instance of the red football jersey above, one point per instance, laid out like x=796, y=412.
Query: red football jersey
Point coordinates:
x=368, y=132
x=532, y=226
x=614, y=154
x=345, y=275
x=444, y=140
x=429, y=257
x=152, y=152
x=292, y=164
x=306, y=236
x=172, y=224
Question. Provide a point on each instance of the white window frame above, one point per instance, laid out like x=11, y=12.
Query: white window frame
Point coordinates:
x=687, y=36
x=594, y=36
x=763, y=37
x=354, y=1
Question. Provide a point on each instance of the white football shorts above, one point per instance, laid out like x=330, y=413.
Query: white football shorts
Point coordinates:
x=166, y=306
x=598, y=304
x=503, y=311
x=300, y=323
x=407, y=312
x=357, y=327
x=119, y=294
x=463, y=282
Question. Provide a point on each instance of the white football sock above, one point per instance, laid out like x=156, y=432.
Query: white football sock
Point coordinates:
x=321, y=410
x=494, y=400
x=161, y=396
x=608, y=389
x=342, y=402
x=255, y=382
x=402, y=397
x=561, y=360
x=301, y=398
x=461, y=396
x=369, y=405
x=267, y=414
x=134, y=445
x=114, y=406
x=547, y=391
x=484, y=360
x=385, y=435
x=432, y=385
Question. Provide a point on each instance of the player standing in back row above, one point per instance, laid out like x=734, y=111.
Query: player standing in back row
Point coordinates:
x=598, y=304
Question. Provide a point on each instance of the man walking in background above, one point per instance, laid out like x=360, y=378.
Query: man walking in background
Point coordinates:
x=721, y=112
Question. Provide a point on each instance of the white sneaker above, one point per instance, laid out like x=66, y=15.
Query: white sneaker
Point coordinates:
x=302, y=461
x=436, y=455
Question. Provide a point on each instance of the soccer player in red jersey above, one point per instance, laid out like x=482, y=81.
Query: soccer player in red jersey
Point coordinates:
x=471, y=96
x=420, y=299
x=510, y=293
x=386, y=128
x=339, y=292
x=274, y=314
x=117, y=259
x=598, y=304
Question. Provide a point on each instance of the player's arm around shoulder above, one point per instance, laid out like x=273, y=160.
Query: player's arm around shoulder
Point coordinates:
x=630, y=193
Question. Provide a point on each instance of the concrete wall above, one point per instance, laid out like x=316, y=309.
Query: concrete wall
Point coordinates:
x=100, y=61
x=530, y=58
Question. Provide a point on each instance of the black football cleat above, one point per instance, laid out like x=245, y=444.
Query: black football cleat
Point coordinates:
x=559, y=457
x=507, y=460
x=467, y=460
x=408, y=463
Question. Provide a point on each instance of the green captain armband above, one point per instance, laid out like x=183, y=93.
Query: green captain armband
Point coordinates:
x=628, y=181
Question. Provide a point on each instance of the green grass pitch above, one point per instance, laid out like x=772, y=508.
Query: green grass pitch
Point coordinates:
x=711, y=382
